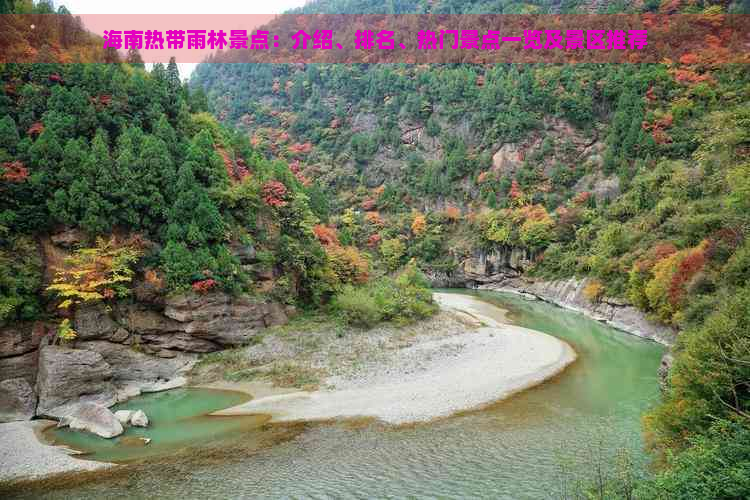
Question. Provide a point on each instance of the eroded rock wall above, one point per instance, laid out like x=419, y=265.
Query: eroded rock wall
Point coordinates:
x=142, y=344
x=503, y=270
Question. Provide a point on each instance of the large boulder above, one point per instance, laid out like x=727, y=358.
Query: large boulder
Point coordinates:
x=136, y=418
x=139, y=419
x=17, y=400
x=124, y=416
x=94, y=418
x=67, y=376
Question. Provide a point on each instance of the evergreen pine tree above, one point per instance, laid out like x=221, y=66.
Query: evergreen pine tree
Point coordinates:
x=193, y=218
x=8, y=134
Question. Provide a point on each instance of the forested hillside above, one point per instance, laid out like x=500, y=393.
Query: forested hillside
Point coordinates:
x=326, y=187
x=636, y=177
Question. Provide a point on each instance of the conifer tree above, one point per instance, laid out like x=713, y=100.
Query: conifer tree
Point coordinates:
x=193, y=218
x=8, y=134
x=156, y=179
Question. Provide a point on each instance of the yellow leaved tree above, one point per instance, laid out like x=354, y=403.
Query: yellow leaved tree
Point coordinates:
x=94, y=274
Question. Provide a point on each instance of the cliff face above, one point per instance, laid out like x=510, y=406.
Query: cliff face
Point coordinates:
x=142, y=344
x=569, y=294
x=503, y=269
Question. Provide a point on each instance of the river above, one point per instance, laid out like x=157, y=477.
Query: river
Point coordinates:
x=517, y=448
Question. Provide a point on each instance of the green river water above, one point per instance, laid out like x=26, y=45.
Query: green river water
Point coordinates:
x=517, y=448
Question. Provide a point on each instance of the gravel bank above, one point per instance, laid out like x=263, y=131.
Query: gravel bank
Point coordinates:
x=431, y=377
x=24, y=456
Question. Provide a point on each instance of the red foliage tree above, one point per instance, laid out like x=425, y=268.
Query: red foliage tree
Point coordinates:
x=515, y=192
x=325, y=235
x=368, y=204
x=296, y=169
x=274, y=194
x=35, y=129
x=14, y=172
x=581, y=198
x=374, y=240
x=688, y=267
x=204, y=286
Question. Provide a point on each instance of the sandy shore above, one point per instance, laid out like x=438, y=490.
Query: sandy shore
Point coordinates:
x=24, y=456
x=433, y=377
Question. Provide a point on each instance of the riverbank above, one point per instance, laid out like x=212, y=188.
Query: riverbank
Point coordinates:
x=464, y=357
x=471, y=358
x=569, y=294
x=24, y=455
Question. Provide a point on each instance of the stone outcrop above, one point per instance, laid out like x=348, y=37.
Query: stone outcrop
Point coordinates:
x=94, y=418
x=17, y=400
x=129, y=365
x=482, y=268
x=20, y=338
x=225, y=320
x=503, y=269
x=146, y=343
x=67, y=376
x=94, y=322
x=18, y=355
x=601, y=187
x=569, y=294
x=123, y=350
x=24, y=366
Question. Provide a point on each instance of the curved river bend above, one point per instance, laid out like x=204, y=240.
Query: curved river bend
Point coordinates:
x=517, y=448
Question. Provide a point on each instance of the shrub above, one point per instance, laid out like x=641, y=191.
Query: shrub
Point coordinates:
x=98, y=273
x=715, y=466
x=393, y=251
x=498, y=227
x=708, y=380
x=402, y=300
x=419, y=225
x=204, y=286
x=65, y=332
x=593, y=291
x=348, y=264
x=358, y=306
x=737, y=270
x=325, y=235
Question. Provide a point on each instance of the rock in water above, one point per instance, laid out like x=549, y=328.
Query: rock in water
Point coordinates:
x=93, y=418
x=139, y=419
x=124, y=416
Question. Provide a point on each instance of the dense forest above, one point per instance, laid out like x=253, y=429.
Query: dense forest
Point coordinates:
x=347, y=180
x=634, y=176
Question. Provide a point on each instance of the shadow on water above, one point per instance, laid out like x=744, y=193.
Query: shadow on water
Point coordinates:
x=510, y=449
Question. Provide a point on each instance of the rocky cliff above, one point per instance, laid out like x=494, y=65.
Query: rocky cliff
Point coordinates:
x=143, y=344
x=503, y=269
